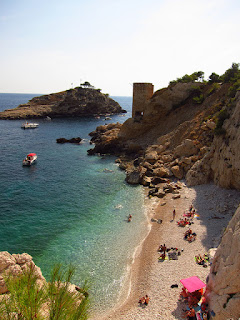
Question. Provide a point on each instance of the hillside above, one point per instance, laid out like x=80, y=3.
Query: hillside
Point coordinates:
x=176, y=133
x=76, y=102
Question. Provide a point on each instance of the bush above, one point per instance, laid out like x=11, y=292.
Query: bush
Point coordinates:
x=232, y=74
x=27, y=300
x=222, y=116
x=214, y=78
x=213, y=88
x=233, y=89
x=195, y=76
x=198, y=99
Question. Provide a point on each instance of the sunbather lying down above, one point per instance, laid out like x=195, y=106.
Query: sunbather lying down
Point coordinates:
x=144, y=300
x=183, y=222
x=202, y=260
x=189, y=235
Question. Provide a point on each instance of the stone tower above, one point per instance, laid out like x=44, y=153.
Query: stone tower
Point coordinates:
x=142, y=92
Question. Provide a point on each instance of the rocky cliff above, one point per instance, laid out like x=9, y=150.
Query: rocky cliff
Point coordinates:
x=76, y=102
x=180, y=136
x=15, y=265
x=223, y=286
x=222, y=162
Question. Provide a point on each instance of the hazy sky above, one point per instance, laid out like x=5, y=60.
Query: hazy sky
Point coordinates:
x=50, y=46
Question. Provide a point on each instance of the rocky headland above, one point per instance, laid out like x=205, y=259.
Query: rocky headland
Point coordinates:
x=77, y=102
x=178, y=138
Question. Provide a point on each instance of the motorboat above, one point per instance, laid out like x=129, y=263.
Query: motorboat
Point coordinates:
x=30, y=159
x=29, y=125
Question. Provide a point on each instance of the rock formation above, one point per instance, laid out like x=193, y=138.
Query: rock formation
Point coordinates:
x=223, y=286
x=72, y=140
x=175, y=137
x=78, y=102
x=221, y=163
x=15, y=264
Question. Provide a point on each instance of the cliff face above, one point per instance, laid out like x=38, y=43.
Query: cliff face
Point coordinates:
x=175, y=137
x=222, y=162
x=223, y=285
x=76, y=102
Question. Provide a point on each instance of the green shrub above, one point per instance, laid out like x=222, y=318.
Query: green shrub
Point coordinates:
x=222, y=116
x=27, y=299
x=198, y=99
x=195, y=76
x=234, y=88
x=231, y=74
x=213, y=88
x=214, y=78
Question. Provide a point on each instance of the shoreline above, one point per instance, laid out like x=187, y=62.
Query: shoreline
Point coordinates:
x=147, y=275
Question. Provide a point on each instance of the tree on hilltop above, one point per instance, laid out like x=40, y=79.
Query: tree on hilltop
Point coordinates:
x=87, y=84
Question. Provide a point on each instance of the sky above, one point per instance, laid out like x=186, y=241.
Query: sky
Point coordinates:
x=49, y=46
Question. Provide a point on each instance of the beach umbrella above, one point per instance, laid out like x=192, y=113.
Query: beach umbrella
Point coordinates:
x=193, y=284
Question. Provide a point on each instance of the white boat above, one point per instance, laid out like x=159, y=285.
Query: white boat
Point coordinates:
x=29, y=125
x=30, y=159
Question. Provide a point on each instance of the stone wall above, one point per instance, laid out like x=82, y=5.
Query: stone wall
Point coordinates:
x=142, y=92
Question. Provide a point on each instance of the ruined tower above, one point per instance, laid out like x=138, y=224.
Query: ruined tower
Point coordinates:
x=142, y=92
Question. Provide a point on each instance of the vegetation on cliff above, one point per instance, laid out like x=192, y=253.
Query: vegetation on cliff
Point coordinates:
x=29, y=299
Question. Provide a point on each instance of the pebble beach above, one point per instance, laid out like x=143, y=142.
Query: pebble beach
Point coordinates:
x=160, y=280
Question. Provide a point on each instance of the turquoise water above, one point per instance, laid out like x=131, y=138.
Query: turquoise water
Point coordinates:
x=69, y=207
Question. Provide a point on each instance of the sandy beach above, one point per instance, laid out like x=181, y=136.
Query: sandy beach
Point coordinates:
x=215, y=207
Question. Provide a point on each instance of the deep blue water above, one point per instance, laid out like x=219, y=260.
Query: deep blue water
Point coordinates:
x=69, y=207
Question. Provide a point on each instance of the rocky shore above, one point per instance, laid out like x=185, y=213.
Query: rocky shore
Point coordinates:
x=78, y=102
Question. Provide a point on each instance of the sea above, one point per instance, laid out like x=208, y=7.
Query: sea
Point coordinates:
x=69, y=208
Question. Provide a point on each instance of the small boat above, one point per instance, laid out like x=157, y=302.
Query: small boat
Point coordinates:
x=29, y=125
x=30, y=159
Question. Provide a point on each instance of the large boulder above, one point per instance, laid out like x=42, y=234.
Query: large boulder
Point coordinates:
x=177, y=172
x=200, y=172
x=15, y=264
x=186, y=148
x=133, y=176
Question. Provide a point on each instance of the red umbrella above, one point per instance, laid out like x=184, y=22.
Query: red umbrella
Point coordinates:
x=31, y=154
x=193, y=284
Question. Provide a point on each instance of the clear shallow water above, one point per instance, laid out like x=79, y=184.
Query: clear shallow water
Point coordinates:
x=66, y=207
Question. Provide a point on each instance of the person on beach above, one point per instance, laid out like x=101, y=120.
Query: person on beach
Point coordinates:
x=191, y=315
x=144, y=300
x=141, y=300
x=174, y=214
x=129, y=218
x=147, y=299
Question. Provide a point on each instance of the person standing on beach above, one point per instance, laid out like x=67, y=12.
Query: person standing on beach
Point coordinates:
x=174, y=214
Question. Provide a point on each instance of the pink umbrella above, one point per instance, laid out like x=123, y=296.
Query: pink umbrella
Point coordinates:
x=193, y=284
